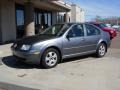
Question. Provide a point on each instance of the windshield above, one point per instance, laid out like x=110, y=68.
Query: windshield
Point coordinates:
x=56, y=30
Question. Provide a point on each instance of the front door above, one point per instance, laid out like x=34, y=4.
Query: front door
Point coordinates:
x=74, y=41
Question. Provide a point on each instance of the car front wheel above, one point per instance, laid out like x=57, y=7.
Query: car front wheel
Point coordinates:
x=101, y=51
x=50, y=58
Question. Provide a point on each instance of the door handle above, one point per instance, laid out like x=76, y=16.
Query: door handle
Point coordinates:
x=83, y=39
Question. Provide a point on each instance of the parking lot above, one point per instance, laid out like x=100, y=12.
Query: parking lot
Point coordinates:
x=81, y=73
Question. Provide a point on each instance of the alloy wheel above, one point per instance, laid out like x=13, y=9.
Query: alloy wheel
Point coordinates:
x=51, y=58
x=102, y=50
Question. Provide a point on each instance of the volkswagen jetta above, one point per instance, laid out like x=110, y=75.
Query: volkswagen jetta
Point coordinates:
x=61, y=41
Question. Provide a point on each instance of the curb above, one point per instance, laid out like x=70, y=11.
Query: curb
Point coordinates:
x=6, y=86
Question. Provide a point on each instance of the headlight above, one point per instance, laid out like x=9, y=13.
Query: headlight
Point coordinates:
x=14, y=45
x=25, y=47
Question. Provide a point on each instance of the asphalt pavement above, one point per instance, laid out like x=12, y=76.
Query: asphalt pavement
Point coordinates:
x=81, y=73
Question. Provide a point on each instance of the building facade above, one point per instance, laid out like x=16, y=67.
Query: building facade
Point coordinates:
x=77, y=14
x=27, y=17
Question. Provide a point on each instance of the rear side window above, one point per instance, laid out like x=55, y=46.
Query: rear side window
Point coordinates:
x=92, y=30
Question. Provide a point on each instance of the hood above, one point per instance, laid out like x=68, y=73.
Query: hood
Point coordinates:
x=34, y=39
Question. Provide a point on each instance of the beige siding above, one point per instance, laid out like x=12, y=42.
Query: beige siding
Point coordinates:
x=77, y=14
x=73, y=14
x=0, y=25
x=8, y=20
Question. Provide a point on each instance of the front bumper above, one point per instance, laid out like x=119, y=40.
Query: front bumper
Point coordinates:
x=27, y=57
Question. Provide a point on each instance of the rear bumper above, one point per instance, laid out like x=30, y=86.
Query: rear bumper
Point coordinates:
x=27, y=57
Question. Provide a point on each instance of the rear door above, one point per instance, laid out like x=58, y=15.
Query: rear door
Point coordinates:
x=92, y=37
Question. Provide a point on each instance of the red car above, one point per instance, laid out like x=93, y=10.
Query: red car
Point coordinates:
x=111, y=31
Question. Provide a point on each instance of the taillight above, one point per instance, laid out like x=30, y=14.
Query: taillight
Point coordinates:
x=111, y=31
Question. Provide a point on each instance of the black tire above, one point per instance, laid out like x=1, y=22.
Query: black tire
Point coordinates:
x=100, y=53
x=47, y=59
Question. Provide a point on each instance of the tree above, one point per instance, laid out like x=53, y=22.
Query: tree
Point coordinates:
x=98, y=19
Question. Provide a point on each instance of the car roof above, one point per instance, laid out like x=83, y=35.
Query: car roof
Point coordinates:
x=73, y=23
x=81, y=23
x=95, y=22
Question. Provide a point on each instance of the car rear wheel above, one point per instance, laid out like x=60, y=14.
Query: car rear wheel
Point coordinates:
x=101, y=51
x=50, y=58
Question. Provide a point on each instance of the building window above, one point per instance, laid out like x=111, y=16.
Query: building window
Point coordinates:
x=20, y=20
x=42, y=18
x=20, y=17
x=60, y=18
x=39, y=18
x=45, y=18
x=35, y=18
x=49, y=19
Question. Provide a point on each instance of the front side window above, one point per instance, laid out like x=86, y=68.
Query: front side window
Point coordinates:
x=91, y=30
x=76, y=31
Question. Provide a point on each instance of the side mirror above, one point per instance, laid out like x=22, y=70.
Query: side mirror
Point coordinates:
x=68, y=36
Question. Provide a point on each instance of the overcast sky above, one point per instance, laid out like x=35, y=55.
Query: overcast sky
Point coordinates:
x=103, y=8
